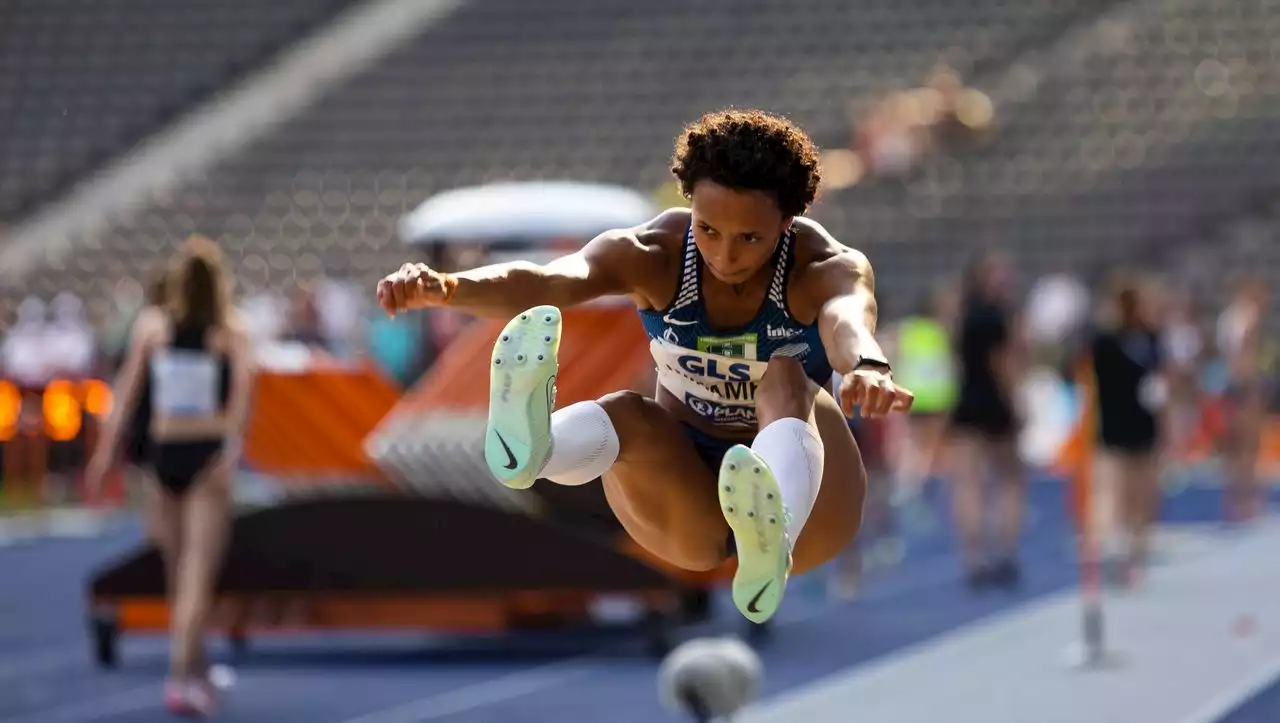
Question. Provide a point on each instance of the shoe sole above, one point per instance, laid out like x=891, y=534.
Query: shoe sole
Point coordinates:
x=522, y=378
x=752, y=505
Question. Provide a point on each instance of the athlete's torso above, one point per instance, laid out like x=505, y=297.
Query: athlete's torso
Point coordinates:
x=715, y=371
x=189, y=384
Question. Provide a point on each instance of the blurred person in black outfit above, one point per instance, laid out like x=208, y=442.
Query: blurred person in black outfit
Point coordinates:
x=985, y=426
x=1131, y=391
x=191, y=363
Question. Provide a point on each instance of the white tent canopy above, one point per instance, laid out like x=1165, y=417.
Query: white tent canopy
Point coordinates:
x=534, y=211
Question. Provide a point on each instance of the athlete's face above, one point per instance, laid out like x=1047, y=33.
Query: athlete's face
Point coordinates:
x=736, y=231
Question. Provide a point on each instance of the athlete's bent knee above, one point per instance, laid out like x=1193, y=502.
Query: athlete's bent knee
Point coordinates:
x=624, y=405
x=629, y=412
x=785, y=391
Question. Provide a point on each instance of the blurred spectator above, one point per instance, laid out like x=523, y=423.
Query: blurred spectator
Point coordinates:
x=924, y=363
x=986, y=424
x=896, y=132
x=1057, y=308
x=1244, y=406
x=26, y=360
x=1131, y=393
x=339, y=305
x=304, y=325
x=127, y=299
x=264, y=315
x=878, y=540
x=1183, y=353
x=395, y=345
x=69, y=339
x=891, y=137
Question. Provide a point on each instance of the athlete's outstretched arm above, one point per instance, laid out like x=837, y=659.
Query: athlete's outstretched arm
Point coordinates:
x=845, y=287
x=240, y=357
x=600, y=268
x=847, y=315
x=124, y=396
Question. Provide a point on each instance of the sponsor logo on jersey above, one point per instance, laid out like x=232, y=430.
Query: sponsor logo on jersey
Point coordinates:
x=782, y=332
x=721, y=413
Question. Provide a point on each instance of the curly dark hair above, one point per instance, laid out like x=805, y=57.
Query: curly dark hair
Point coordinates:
x=749, y=150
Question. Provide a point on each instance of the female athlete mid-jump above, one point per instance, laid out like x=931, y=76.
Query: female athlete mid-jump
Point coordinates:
x=749, y=308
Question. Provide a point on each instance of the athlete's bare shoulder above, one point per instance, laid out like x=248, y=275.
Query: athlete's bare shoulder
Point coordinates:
x=665, y=232
x=644, y=257
x=817, y=249
x=650, y=240
x=823, y=264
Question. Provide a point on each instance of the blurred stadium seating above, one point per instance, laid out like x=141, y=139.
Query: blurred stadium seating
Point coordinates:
x=83, y=81
x=1119, y=142
x=592, y=91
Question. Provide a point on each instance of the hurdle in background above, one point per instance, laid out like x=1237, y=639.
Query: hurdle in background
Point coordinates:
x=1078, y=460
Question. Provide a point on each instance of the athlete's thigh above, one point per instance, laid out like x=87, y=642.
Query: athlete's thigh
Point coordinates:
x=1108, y=484
x=164, y=518
x=660, y=489
x=837, y=514
x=1142, y=480
x=928, y=432
x=206, y=513
x=1004, y=458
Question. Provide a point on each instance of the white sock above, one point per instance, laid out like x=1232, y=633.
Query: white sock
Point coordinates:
x=584, y=444
x=793, y=450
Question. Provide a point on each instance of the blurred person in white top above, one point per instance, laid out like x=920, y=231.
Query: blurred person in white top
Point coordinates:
x=1239, y=339
x=1057, y=307
x=69, y=339
x=1183, y=343
x=263, y=314
x=25, y=360
x=341, y=306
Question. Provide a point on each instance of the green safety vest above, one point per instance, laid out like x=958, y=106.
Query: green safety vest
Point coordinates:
x=924, y=364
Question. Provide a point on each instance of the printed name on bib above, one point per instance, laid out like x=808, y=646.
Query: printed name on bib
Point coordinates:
x=717, y=381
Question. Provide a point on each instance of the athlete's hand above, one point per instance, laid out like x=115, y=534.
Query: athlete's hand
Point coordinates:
x=414, y=286
x=874, y=393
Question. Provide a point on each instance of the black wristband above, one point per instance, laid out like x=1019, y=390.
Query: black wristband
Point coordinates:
x=867, y=361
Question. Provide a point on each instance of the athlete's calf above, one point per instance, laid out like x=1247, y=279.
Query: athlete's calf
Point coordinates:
x=788, y=441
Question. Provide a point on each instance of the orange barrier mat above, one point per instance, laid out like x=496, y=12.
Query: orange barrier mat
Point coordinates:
x=314, y=423
x=603, y=349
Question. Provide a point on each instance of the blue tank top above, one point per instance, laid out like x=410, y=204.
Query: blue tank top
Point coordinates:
x=715, y=372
